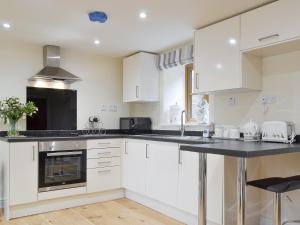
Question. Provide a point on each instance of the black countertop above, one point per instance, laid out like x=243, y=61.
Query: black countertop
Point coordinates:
x=242, y=149
x=150, y=137
x=190, y=143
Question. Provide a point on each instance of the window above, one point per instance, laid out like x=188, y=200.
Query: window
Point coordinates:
x=197, y=106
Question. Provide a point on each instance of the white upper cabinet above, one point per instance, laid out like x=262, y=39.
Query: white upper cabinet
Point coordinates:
x=270, y=24
x=140, y=78
x=23, y=173
x=218, y=62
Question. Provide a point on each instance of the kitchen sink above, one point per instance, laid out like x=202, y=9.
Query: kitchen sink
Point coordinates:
x=191, y=139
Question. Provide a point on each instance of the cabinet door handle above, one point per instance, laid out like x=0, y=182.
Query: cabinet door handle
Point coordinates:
x=104, y=162
x=179, y=157
x=197, y=81
x=147, y=156
x=137, y=91
x=269, y=37
x=126, y=152
x=104, y=171
x=33, y=153
x=104, y=153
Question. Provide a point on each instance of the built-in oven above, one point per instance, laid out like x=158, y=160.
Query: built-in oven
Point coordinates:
x=62, y=164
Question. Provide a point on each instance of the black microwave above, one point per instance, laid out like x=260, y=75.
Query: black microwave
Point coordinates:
x=135, y=125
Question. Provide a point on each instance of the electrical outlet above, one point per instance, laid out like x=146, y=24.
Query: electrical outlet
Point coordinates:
x=103, y=108
x=113, y=108
x=231, y=101
x=268, y=100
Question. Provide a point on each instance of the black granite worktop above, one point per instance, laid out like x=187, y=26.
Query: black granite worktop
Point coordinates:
x=194, y=142
x=242, y=149
x=155, y=135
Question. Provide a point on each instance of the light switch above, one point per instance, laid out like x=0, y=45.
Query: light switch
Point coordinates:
x=113, y=108
x=103, y=108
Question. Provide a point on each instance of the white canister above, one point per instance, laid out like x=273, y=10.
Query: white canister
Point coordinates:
x=234, y=133
x=175, y=114
x=219, y=132
x=226, y=133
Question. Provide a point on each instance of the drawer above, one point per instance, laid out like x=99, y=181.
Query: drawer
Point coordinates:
x=103, y=153
x=103, y=143
x=103, y=162
x=103, y=179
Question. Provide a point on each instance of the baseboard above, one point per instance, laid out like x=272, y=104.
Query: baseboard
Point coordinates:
x=170, y=211
x=63, y=203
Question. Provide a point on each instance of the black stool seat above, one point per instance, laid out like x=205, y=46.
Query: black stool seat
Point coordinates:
x=277, y=184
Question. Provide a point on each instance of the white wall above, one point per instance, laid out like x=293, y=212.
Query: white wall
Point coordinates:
x=101, y=79
x=281, y=79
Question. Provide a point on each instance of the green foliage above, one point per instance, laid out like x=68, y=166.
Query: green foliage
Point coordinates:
x=11, y=109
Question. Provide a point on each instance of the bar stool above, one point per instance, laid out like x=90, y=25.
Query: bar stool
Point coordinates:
x=278, y=186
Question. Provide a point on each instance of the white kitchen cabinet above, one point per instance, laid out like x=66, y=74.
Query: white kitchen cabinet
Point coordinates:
x=140, y=78
x=188, y=182
x=162, y=172
x=135, y=166
x=23, y=173
x=219, y=65
x=270, y=24
x=103, y=165
x=188, y=185
x=215, y=188
x=103, y=179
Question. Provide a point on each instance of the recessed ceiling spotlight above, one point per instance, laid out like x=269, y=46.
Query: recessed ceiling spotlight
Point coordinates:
x=6, y=25
x=219, y=66
x=143, y=15
x=232, y=41
x=96, y=42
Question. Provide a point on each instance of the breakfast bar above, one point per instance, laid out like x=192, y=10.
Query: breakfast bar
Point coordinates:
x=241, y=150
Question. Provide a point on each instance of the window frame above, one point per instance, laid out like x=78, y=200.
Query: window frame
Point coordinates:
x=189, y=93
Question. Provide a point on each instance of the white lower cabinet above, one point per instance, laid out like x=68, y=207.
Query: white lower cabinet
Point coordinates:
x=103, y=165
x=23, y=173
x=135, y=166
x=159, y=171
x=215, y=188
x=162, y=172
x=188, y=182
x=103, y=179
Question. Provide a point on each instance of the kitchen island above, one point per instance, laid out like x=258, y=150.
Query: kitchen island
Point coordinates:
x=242, y=151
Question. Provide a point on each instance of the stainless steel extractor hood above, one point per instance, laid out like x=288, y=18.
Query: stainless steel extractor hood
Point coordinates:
x=52, y=70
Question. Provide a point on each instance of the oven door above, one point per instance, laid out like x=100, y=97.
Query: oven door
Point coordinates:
x=62, y=169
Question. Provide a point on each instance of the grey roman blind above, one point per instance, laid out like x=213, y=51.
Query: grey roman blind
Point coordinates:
x=180, y=56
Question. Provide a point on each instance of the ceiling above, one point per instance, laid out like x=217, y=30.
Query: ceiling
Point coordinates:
x=65, y=22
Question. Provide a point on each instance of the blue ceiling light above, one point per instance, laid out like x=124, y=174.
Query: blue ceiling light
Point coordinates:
x=97, y=16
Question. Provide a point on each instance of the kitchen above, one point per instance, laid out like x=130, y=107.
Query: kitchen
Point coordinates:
x=251, y=56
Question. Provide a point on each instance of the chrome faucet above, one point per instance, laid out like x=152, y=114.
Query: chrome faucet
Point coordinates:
x=182, y=128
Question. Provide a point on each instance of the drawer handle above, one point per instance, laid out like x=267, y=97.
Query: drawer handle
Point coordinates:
x=103, y=153
x=104, y=162
x=269, y=37
x=104, y=171
x=107, y=143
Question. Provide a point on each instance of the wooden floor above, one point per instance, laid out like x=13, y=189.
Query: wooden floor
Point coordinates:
x=118, y=212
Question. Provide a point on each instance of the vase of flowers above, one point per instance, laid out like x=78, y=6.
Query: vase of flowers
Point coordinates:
x=12, y=110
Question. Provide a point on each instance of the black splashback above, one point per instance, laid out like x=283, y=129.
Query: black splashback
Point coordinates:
x=57, y=109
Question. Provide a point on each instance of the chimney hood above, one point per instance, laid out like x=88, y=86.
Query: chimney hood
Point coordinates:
x=52, y=70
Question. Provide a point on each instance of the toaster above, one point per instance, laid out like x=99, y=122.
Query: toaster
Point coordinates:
x=278, y=131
